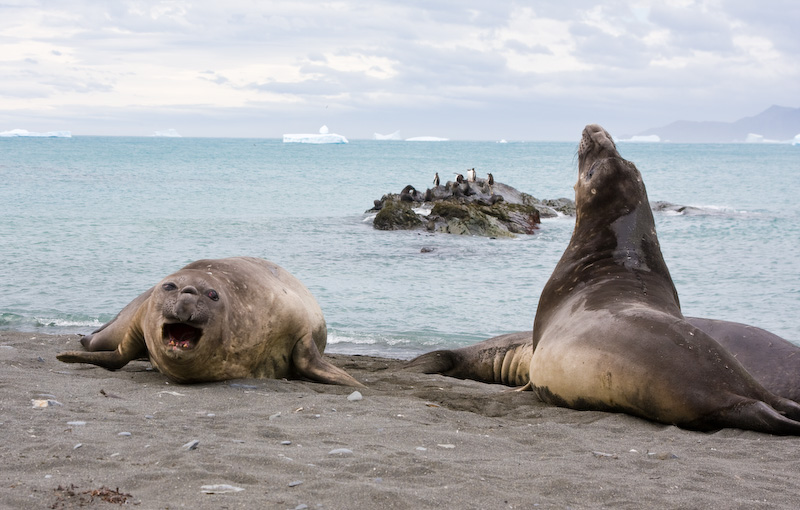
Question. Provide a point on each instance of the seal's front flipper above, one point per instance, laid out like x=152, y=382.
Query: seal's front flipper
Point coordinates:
x=309, y=363
x=750, y=415
x=131, y=347
x=527, y=387
x=110, y=360
x=108, y=336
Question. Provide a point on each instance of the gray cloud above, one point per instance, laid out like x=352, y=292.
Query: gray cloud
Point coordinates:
x=462, y=68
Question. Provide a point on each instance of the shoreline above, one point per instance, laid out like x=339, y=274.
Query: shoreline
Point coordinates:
x=412, y=441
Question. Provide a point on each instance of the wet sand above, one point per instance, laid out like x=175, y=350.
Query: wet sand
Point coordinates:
x=413, y=441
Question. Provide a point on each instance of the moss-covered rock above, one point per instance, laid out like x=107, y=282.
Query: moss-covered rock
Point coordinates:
x=465, y=208
x=396, y=215
x=564, y=206
x=467, y=219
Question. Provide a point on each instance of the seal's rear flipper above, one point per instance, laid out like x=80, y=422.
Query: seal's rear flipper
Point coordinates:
x=436, y=362
x=309, y=363
x=503, y=359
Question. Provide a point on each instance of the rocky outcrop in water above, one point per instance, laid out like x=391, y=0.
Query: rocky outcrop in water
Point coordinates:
x=467, y=208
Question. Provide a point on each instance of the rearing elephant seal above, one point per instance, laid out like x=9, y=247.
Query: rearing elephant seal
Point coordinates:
x=220, y=319
x=609, y=334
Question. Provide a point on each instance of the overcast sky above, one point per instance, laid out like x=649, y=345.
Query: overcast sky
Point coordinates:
x=460, y=69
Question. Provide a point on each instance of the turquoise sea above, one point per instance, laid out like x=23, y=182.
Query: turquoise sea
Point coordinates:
x=90, y=222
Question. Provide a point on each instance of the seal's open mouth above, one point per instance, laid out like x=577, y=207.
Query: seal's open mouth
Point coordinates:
x=179, y=336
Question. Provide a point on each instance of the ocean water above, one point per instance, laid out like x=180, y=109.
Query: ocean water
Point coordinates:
x=90, y=222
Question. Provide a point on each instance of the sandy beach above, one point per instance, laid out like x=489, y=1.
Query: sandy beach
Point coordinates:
x=412, y=441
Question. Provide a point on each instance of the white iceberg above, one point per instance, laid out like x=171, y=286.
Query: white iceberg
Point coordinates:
x=642, y=139
x=26, y=133
x=169, y=133
x=796, y=140
x=391, y=136
x=427, y=139
x=756, y=138
x=502, y=141
x=323, y=137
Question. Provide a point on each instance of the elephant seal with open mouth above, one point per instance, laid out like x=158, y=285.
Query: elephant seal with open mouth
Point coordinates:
x=215, y=320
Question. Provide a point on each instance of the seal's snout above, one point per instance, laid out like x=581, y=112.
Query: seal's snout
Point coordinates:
x=186, y=304
x=594, y=138
x=189, y=289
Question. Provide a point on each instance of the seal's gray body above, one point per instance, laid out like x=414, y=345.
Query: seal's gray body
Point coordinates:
x=772, y=361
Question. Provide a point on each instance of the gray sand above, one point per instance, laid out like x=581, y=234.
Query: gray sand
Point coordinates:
x=413, y=441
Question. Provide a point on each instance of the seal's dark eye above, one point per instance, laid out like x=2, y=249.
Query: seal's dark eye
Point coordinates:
x=213, y=295
x=169, y=286
x=590, y=173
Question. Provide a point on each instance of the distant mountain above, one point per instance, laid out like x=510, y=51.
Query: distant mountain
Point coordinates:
x=775, y=123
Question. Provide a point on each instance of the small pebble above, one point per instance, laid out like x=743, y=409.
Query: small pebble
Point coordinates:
x=295, y=483
x=76, y=423
x=422, y=448
x=77, y=446
x=124, y=434
x=41, y=403
x=662, y=456
x=273, y=416
x=191, y=445
x=219, y=489
x=286, y=443
x=174, y=393
x=245, y=386
x=448, y=446
x=301, y=506
x=356, y=395
x=341, y=451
